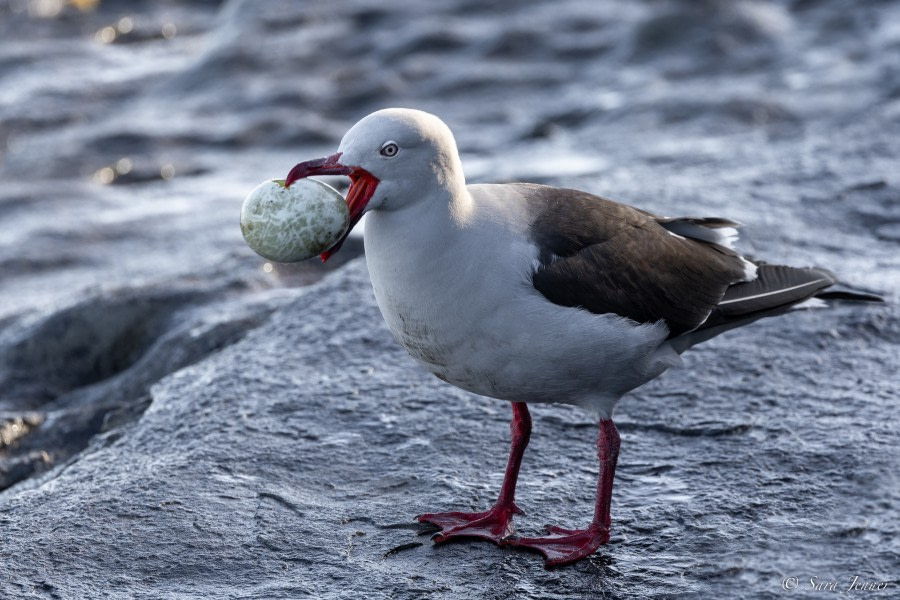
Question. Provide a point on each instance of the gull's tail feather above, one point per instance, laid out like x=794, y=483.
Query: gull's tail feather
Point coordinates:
x=776, y=289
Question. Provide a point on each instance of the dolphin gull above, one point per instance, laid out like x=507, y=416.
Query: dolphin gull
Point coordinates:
x=529, y=293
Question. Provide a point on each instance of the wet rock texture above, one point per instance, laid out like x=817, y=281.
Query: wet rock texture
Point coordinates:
x=179, y=419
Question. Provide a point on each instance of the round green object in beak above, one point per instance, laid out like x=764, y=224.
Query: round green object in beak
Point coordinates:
x=296, y=223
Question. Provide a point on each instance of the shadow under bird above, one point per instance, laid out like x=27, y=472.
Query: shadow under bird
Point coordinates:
x=529, y=293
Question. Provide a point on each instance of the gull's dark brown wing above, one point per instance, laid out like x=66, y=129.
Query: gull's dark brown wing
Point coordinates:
x=611, y=258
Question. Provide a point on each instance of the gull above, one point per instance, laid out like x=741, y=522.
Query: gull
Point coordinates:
x=535, y=294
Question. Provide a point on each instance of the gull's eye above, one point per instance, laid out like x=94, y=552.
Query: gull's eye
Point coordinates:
x=390, y=149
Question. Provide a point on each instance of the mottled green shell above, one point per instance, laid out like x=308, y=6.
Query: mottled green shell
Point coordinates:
x=296, y=223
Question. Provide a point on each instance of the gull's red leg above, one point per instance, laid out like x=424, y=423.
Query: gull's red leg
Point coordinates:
x=564, y=546
x=496, y=523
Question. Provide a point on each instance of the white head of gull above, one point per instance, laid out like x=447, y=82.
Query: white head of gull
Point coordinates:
x=532, y=294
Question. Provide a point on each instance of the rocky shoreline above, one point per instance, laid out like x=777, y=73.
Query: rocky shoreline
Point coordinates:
x=181, y=419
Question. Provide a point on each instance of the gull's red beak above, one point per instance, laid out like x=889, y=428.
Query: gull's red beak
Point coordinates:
x=362, y=188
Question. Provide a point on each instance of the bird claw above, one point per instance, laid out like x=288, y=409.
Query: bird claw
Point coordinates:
x=494, y=524
x=563, y=546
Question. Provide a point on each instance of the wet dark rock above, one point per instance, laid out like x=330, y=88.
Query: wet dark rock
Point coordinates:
x=694, y=37
x=306, y=449
x=88, y=368
x=179, y=416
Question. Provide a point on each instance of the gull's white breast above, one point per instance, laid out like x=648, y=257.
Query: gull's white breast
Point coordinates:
x=459, y=298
